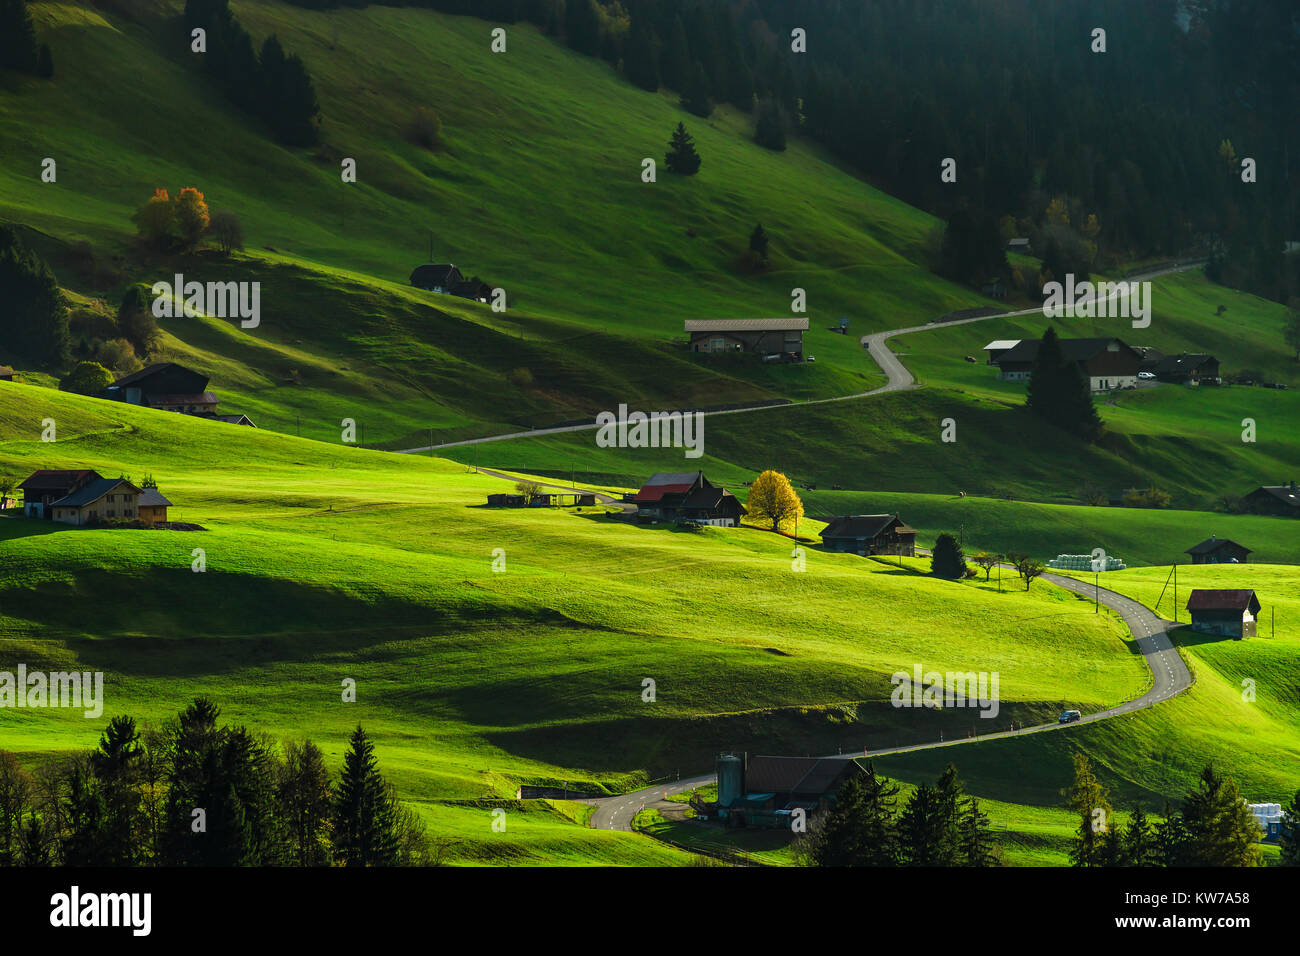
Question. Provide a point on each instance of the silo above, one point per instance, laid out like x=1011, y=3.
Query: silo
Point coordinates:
x=731, y=779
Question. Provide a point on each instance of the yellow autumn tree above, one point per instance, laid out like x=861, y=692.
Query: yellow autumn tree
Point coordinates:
x=772, y=498
x=191, y=216
x=1058, y=212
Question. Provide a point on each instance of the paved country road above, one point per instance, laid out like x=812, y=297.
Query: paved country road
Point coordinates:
x=1169, y=677
x=899, y=378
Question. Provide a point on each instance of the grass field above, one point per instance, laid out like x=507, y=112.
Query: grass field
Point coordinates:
x=325, y=563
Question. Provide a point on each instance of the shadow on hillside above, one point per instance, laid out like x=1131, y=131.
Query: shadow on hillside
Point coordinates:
x=1184, y=636
x=13, y=527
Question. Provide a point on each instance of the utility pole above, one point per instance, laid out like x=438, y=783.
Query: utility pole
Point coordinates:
x=1096, y=591
x=1175, y=592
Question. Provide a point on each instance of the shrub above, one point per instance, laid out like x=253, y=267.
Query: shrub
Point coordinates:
x=425, y=128
x=88, y=378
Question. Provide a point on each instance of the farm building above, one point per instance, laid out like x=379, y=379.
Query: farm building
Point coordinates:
x=870, y=534
x=1020, y=245
x=151, y=506
x=1218, y=551
x=46, y=486
x=446, y=279
x=999, y=347
x=235, y=420
x=765, y=791
x=1227, y=612
x=107, y=499
x=687, y=496
x=783, y=337
x=1189, y=369
x=169, y=387
x=1273, y=500
x=6, y=373
x=1269, y=816
x=1107, y=363
x=1150, y=358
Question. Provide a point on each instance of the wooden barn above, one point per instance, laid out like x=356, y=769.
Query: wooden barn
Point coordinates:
x=782, y=337
x=1273, y=500
x=766, y=791
x=44, y=487
x=870, y=534
x=1189, y=368
x=687, y=496
x=1225, y=612
x=1218, y=551
x=151, y=507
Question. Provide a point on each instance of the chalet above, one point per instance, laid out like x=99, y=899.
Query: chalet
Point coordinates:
x=166, y=383
x=999, y=347
x=766, y=791
x=446, y=279
x=6, y=373
x=1273, y=500
x=198, y=403
x=1228, y=612
x=151, y=506
x=107, y=499
x=687, y=496
x=1186, y=368
x=1107, y=363
x=1218, y=551
x=1020, y=245
x=783, y=337
x=870, y=534
x=44, y=487
x=235, y=420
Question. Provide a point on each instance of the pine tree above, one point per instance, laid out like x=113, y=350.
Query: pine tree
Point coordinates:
x=675, y=62
x=682, y=157
x=977, y=847
x=115, y=767
x=33, y=318
x=18, y=47
x=365, y=825
x=304, y=801
x=1088, y=798
x=582, y=26
x=858, y=828
x=1141, y=847
x=770, y=124
x=924, y=834
x=1058, y=390
x=947, y=559
x=758, y=242
x=1221, y=829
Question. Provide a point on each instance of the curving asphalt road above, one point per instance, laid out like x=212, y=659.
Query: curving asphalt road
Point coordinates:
x=1169, y=677
x=898, y=376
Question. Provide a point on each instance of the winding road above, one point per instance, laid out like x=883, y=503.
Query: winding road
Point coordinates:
x=1169, y=673
x=1169, y=677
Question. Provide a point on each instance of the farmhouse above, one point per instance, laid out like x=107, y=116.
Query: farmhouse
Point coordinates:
x=1226, y=612
x=687, y=496
x=782, y=337
x=870, y=534
x=1218, y=551
x=1189, y=369
x=1108, y=363
x=106, y=499
x=6, y=373
x=1020, y=245
x=169, y=387
x=766, y=791
x=1273, y=500
x=999, y=347
x=46, y=486
x=446, y=279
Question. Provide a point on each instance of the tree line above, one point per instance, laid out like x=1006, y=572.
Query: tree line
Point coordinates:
x=197, y=792
x=939, y=825
x=19, y=49
x=272, y=85
x=1213, y=826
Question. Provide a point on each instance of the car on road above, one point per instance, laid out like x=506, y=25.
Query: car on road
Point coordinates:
x=1068, y=717
x=1147, y=375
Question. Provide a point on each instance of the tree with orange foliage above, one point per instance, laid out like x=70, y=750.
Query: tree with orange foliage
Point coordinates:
x=191, y=216
x=156, y=218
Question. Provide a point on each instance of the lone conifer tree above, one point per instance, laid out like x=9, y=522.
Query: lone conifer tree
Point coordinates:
x=947, y=560
x=365, y=819
x=1058, y=390
x=758, y=242
x=682, y=157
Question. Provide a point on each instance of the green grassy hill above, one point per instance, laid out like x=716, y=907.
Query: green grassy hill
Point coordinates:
x=326, y=563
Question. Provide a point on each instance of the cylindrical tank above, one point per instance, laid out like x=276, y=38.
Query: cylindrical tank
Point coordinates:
x=731, y=779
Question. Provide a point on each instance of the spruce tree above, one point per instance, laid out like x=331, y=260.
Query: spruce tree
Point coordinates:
x=641, y=63
x=33, y=318
x=758, y=242
x=682, y=157
x=1059, y=392
x=947, y=559
x=1221, y=829
x=977, y=847
x=858, y=828
x=696, y=97
x=1089, y=799
x=924, y=829
x=675, y=62
x=1141, y=847
x=365, y=824
x=1291, y=833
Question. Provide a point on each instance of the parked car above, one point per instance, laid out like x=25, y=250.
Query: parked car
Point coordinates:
x=1068, y=716
x=1147, y=375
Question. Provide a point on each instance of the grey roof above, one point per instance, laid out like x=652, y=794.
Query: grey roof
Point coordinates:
x=92, y=492
x=672, y=478
x=1283, y=493
x=439, y=274
x=793, y=774
x=1186, y=362
x=794, y=323
x=151, y=498
x=863, y=526
x=1078, y=350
